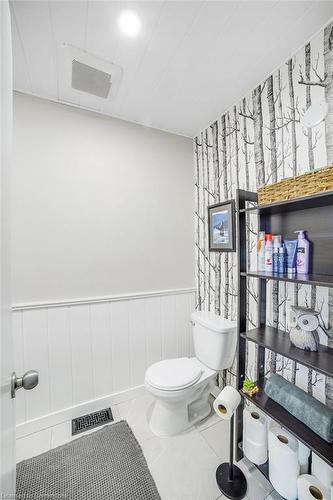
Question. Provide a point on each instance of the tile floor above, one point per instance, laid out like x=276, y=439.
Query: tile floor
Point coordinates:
x=183, y=466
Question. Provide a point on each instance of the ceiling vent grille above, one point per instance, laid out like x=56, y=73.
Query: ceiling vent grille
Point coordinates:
x=90, y=80
x=89, y=74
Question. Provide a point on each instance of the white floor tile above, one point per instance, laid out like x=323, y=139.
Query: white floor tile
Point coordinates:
x=207, y=422
x=137, y=413
x=258, y=487
x=33, y=445
x=274, y=496
x=217, y=436
x=183, y=467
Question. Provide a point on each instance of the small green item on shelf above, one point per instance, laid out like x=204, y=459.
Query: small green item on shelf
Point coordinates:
x=248, y=384
x=249, y=387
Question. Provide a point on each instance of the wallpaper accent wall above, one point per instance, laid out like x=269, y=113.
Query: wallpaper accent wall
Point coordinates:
x=261, y=140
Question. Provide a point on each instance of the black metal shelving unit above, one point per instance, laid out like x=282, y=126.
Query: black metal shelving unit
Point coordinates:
x=315, y=215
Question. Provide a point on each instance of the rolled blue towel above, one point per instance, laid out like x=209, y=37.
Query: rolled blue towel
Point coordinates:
x=307, y=409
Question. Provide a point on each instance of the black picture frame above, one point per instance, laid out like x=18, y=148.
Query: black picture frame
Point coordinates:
x=225, y=212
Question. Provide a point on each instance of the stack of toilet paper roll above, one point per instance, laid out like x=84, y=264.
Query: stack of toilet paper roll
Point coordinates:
x=255, y=435
x=288, y=459
x=284, y=467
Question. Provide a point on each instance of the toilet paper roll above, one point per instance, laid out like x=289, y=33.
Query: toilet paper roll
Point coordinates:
x=255, y=444
x=321, y=470
x=226, y=402
x=310, y=488
x=303, y=458
x=283, y=462
x=332, y=490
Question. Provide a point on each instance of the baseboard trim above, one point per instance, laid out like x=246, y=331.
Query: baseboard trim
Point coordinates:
x=98, y=300
x=58, y=417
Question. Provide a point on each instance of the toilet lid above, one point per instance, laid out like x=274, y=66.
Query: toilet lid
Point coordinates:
x=173, y=374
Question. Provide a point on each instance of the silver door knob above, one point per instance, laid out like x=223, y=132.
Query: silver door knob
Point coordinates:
x=28, y=381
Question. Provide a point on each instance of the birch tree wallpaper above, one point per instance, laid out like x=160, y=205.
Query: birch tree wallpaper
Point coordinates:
x=261, y=140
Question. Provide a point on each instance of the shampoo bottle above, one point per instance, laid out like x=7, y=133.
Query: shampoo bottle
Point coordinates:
x=261, y=251
x=303, y=253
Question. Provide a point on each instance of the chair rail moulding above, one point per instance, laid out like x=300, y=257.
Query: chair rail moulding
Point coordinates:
x=97, y=300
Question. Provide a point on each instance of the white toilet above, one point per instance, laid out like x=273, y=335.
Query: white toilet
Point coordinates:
x=182, y=386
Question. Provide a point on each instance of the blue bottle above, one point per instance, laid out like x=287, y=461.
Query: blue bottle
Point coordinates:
x=276, y=245
x=281, y=260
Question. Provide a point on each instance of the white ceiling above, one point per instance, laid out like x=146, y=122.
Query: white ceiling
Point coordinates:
x=192, y=60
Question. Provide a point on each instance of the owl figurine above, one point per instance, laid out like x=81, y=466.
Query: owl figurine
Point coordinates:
x=304, y=326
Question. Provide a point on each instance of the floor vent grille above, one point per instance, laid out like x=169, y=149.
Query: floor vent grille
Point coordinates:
x=87, y=422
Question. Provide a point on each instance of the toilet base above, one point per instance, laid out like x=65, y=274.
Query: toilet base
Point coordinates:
x=163, y=426
x=172, y=416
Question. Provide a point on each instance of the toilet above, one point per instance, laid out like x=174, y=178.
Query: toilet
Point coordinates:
x=181, y=386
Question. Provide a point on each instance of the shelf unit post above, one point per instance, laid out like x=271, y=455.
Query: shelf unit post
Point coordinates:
x=262, y=291
x=241, y=198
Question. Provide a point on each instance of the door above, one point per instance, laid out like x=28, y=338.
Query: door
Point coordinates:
x=7, y=422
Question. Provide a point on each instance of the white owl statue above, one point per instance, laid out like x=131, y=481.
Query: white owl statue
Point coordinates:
x=304, y=326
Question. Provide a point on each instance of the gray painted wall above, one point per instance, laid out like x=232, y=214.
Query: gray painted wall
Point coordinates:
x=100, y=206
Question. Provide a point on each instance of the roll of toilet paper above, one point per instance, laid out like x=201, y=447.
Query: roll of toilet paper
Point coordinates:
x=310, y=488
x=321, y=470
x=303, y=458
x=332, y=490
x=226, y=402
x=255, y=444
x=283, y=462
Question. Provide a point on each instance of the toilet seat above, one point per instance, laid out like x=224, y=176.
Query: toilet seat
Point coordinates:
x=173, y=374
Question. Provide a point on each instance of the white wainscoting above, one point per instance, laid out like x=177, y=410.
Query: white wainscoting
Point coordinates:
x=89, y=350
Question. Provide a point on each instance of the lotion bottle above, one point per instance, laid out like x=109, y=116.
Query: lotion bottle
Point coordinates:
x=269, y=253
x=303, y=253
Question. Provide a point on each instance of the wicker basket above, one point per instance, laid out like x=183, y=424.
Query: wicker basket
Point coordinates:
x=316, y=181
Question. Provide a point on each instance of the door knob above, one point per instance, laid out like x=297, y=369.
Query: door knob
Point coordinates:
x=28, y=381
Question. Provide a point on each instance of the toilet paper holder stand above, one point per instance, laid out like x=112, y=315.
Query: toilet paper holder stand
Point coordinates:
x=230, y=479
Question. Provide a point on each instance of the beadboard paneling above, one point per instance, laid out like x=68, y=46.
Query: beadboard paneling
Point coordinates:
x=88, y=351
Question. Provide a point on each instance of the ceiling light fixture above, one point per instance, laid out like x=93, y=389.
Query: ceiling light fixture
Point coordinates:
x=129, y=23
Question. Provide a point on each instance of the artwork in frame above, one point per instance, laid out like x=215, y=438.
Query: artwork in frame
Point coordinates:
x=221, y=227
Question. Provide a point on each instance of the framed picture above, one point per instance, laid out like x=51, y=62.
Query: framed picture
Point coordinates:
x=221, y=227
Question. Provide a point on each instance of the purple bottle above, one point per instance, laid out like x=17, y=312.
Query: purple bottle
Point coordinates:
x=303, y=253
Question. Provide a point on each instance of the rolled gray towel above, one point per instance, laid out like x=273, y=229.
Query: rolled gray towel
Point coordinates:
x=307, y=409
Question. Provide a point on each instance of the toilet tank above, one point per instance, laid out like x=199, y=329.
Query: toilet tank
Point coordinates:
x=215, y=339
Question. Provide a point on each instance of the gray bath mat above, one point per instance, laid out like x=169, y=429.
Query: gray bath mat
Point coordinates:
x=105, y=465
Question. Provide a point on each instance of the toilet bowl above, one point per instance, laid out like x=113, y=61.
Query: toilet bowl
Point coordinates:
x=181, y=386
